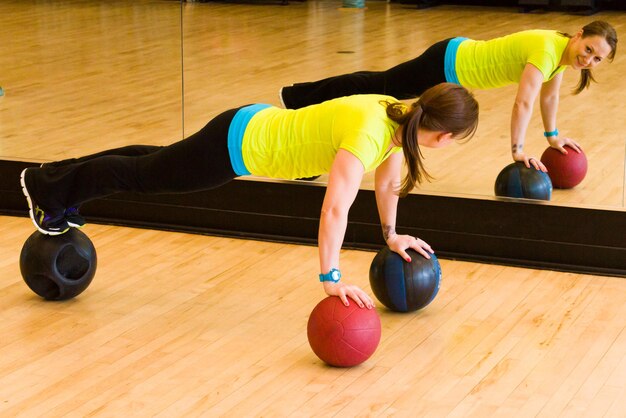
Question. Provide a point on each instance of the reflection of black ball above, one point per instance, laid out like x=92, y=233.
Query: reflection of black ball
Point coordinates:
x=58, y=267
x=517, y=180
x=403, y=286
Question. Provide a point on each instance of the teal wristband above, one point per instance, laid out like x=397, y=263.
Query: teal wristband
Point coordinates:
x=334, y=275
x=551, y=133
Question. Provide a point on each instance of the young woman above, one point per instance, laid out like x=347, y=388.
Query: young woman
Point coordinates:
x=535, y=59
x=345, y=137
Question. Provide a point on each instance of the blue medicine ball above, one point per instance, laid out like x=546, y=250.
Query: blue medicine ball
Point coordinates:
x=517, y=180
x=402, y=286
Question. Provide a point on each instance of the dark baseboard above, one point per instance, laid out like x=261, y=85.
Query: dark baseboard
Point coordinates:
x=499, y=231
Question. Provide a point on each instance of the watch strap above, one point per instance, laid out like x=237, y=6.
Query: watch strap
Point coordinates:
x=334, y=275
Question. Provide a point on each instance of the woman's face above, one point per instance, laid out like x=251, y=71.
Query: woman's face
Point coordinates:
x=587, y=52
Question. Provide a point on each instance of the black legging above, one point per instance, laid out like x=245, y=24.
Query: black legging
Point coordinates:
x=404, y=81
x=199, y=162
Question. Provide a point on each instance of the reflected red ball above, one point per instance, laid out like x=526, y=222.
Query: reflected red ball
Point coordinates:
x=565, y=170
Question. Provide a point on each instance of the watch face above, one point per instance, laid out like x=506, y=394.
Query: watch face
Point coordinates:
x=335, y=276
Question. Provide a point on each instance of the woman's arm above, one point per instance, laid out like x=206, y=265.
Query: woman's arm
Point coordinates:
x=527, y=91
x=387, y=184
x=343, y=185
x=549, y=102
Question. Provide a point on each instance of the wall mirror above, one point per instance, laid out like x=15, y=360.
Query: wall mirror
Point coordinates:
x=241, y=53
x=81, y=76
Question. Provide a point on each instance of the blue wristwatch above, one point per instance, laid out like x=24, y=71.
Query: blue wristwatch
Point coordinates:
x=334, y=275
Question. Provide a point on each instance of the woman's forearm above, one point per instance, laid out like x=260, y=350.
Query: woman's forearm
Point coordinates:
x=520, y=118
x=332, y=230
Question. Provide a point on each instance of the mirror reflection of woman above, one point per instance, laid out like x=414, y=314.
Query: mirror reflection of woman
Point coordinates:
x=345, y=137
x=534, y=59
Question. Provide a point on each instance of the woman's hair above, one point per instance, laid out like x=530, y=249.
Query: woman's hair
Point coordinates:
x=595, y=28
x=446, y=107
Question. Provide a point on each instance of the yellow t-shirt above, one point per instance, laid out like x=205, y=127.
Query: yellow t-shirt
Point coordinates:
x=500, y=61
x=289, y=144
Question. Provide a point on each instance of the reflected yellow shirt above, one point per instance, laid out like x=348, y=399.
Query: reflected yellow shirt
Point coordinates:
x=289, y=144
x=500, y=61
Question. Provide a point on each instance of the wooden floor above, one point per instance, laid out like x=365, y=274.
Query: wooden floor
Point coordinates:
x=83, y=76
x=178, y=325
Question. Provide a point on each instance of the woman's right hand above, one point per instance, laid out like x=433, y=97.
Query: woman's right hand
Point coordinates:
x=345, y=290
x=561, y=142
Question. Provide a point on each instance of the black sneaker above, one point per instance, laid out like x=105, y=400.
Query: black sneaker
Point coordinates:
x=73, y=218
x=46, y=223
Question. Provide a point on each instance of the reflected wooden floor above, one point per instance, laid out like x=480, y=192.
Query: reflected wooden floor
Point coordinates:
x=188, y=325
x=83, y=76
x=80, y=77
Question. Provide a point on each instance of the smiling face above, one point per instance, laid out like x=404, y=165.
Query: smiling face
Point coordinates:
x=585, y=52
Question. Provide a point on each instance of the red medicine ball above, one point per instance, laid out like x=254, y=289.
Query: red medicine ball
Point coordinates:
x=565, y=170
x=343, y=336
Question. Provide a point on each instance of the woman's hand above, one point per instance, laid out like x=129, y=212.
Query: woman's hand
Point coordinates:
x=400, y=243
x=345, y=290
x=528, y=161
x=560, y=143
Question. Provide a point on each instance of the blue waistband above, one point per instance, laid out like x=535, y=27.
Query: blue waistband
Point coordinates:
x=235, y=136
x=449, y=62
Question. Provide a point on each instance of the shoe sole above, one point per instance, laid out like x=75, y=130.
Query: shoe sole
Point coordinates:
x=73, y=225
x=31, y=212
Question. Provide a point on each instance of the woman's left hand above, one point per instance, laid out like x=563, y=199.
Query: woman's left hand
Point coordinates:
x=560, y=143
x=400, y=243
x=529, y=161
